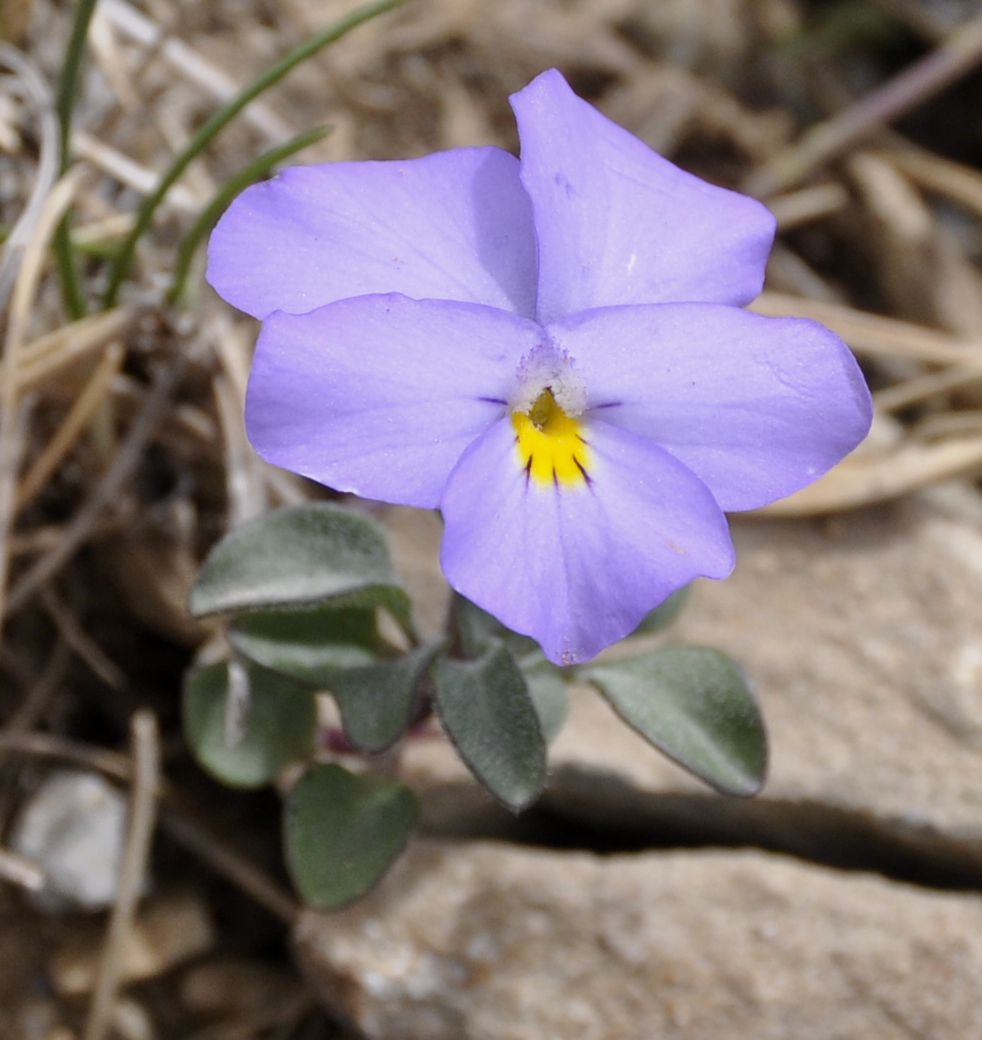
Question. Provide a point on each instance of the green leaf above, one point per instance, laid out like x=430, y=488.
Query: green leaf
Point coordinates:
x=279, y=726
x=477, y=630
x=311, y=645
x=302, y=555
x=547, y=688
x=377, y=702
x=342, y=832
x=693, y=704
x=486, y=709
x=666, y=614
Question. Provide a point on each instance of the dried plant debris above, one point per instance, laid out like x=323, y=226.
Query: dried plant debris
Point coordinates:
x=122, y=455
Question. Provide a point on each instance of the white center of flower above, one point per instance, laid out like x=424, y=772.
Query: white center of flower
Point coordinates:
x=544, y=368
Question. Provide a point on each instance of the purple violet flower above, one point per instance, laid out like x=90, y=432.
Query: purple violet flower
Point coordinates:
x=550, y=351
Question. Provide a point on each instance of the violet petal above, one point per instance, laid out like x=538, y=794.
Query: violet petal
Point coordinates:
x=756, y=407
x=454, y=225
x=578, y=567
x=616, y=223
x=380, y=395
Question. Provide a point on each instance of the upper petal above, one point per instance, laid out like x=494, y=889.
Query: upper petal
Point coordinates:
x=756, y=407
x=454, y=225
x=380, y=395
x=616, y=223
x=578, y=567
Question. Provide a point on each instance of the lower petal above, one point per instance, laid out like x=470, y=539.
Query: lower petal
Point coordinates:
x=577, y=566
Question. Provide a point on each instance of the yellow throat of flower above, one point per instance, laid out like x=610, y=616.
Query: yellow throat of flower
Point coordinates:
x=550, y=447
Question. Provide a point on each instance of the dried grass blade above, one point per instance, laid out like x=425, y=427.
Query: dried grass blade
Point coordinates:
x=17, y=870
x=32, y=82
x=11, y=417
x=136, y=853
x=960, y=184
x=930, y=384
x=212, y=850
x=805, y=205
x=957, y=55
x=204, y=136
x=208, y=217
x=872, y=335
x=867, y=480
x=127, y=171
x=49, y=355
x=79, y=529
x=191, y=64
x=78, y=417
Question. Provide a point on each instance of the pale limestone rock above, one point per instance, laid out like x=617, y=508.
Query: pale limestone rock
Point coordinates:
x=491, y=942
x=72, y=828
x=863, y=638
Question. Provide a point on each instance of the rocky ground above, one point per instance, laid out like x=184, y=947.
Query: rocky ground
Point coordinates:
x=631, y=903
x=846, y=904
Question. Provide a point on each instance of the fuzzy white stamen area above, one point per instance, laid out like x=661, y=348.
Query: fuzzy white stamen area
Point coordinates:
x=543, y=368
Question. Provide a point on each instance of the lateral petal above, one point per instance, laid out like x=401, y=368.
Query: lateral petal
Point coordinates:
x=577, y=567
x=617, y=223
x=454, y=225
x=756, y=407
x=380, y=395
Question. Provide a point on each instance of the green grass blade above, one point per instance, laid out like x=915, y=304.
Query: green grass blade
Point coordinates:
x=71, y=286
x=210, y=129
x=72, y=296
x=208, y=217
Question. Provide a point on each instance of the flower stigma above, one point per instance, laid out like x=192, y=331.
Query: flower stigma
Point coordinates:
x=548, y=439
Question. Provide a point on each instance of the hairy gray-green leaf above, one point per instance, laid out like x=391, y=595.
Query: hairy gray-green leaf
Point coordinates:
x=547, y=688
x=301, y=555
x=342, y=832
x=666, y=614
x=278, y=727
x=478, y=630
x=376, y=702
x=693, y=704
x=486, y=709
x=312, y=645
